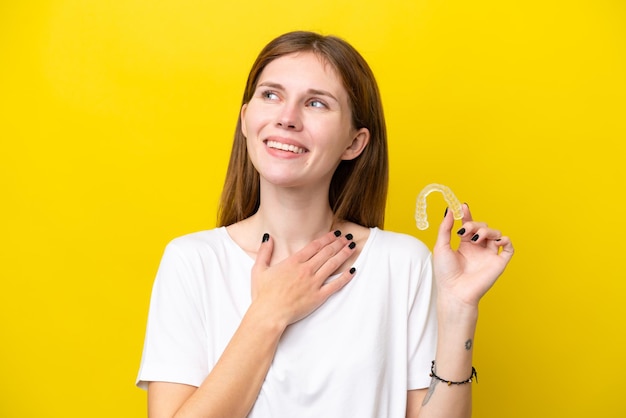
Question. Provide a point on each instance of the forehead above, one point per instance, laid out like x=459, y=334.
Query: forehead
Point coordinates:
x=303, y=69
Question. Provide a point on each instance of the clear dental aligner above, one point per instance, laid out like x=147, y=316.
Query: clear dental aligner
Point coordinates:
x=420, y=205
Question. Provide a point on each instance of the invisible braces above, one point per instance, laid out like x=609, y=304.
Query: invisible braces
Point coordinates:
x=420, y=205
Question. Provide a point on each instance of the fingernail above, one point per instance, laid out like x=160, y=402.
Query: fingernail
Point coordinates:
x=266, y=237
x=445, y=213
x=352, y=245
x=349, y=237
x=499, y=239
x=337, y=233
x=460, y=231
x=466, y=204
x=475, y=237
x=352, y=270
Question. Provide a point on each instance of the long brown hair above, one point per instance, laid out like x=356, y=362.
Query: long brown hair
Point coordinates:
x=358, y=189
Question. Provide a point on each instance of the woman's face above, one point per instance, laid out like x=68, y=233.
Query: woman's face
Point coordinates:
x=298, y=124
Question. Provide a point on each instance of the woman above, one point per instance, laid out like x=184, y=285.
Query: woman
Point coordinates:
x=299, y=305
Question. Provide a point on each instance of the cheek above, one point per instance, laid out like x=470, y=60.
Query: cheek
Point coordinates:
x=244, y=129
x=252, y=121
x=252, y=153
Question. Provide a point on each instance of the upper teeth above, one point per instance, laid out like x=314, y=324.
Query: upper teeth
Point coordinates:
x=285, y=147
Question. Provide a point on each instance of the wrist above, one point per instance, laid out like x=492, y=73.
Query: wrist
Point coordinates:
x=266, y=319
x=456, y=311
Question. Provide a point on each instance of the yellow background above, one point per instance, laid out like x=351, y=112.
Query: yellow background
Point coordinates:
x=116, y=119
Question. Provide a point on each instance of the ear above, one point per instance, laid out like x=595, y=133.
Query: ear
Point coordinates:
x=358, y=144
x=242, y=119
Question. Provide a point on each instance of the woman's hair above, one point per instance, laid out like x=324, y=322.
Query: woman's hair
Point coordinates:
x=358, y=189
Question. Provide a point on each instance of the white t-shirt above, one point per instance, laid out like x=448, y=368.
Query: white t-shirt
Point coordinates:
x=355, y=356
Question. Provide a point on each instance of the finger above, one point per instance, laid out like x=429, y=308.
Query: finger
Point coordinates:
x=467, y=215
x=317, y=245
x=445, y=228
x=468, y=226
x=507, y=248
x=332, y=255
x=469, y=229
x=335, y=285
x=484, y=235
x=264, y=254
x=329, y=265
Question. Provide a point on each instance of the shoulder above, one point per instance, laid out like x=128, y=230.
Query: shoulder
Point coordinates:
x=399, y=243
x=196, y=256
x=200, y=244
x=200, y=238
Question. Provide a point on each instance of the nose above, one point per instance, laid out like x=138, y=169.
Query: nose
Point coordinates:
x=289, y=117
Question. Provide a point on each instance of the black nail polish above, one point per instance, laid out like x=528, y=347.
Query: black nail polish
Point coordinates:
x=445, y=213
x=352, y=245
x=460, y=231
x=352, y=270
x=349, y=237
x=266, y=237
x=337, y=233
x=475, y=237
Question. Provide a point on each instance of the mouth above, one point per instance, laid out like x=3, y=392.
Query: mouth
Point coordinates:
x=285, y=147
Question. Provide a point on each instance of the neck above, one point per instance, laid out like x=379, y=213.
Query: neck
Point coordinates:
x=293, y=218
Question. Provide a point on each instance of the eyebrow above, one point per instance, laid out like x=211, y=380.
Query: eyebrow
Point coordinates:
x=316, y=92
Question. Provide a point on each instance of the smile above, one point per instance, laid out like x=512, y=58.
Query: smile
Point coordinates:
x=285, y=147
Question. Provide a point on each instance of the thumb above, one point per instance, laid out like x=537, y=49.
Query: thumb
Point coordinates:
x=264, y=255
x=262, y=262
x=445, y=229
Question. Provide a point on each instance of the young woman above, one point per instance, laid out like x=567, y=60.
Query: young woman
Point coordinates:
x=299, y=304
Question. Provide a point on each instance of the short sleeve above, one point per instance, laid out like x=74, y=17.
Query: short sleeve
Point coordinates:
x=422, y=324
x=175, y=345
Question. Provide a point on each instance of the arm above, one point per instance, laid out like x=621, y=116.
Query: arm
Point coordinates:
x=234, y=383
x=282, y=294
x=462, y=278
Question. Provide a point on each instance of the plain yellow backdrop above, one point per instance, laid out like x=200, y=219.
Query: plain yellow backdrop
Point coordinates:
x=116, y=119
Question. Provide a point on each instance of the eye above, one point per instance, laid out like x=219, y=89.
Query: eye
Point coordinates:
x=269, y=94
x=317, y=103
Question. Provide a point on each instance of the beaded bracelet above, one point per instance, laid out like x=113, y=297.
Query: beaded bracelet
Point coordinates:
x=448, y=382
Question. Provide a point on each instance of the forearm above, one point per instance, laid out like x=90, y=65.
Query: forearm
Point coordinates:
x=233, y=385
x=453, y=362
